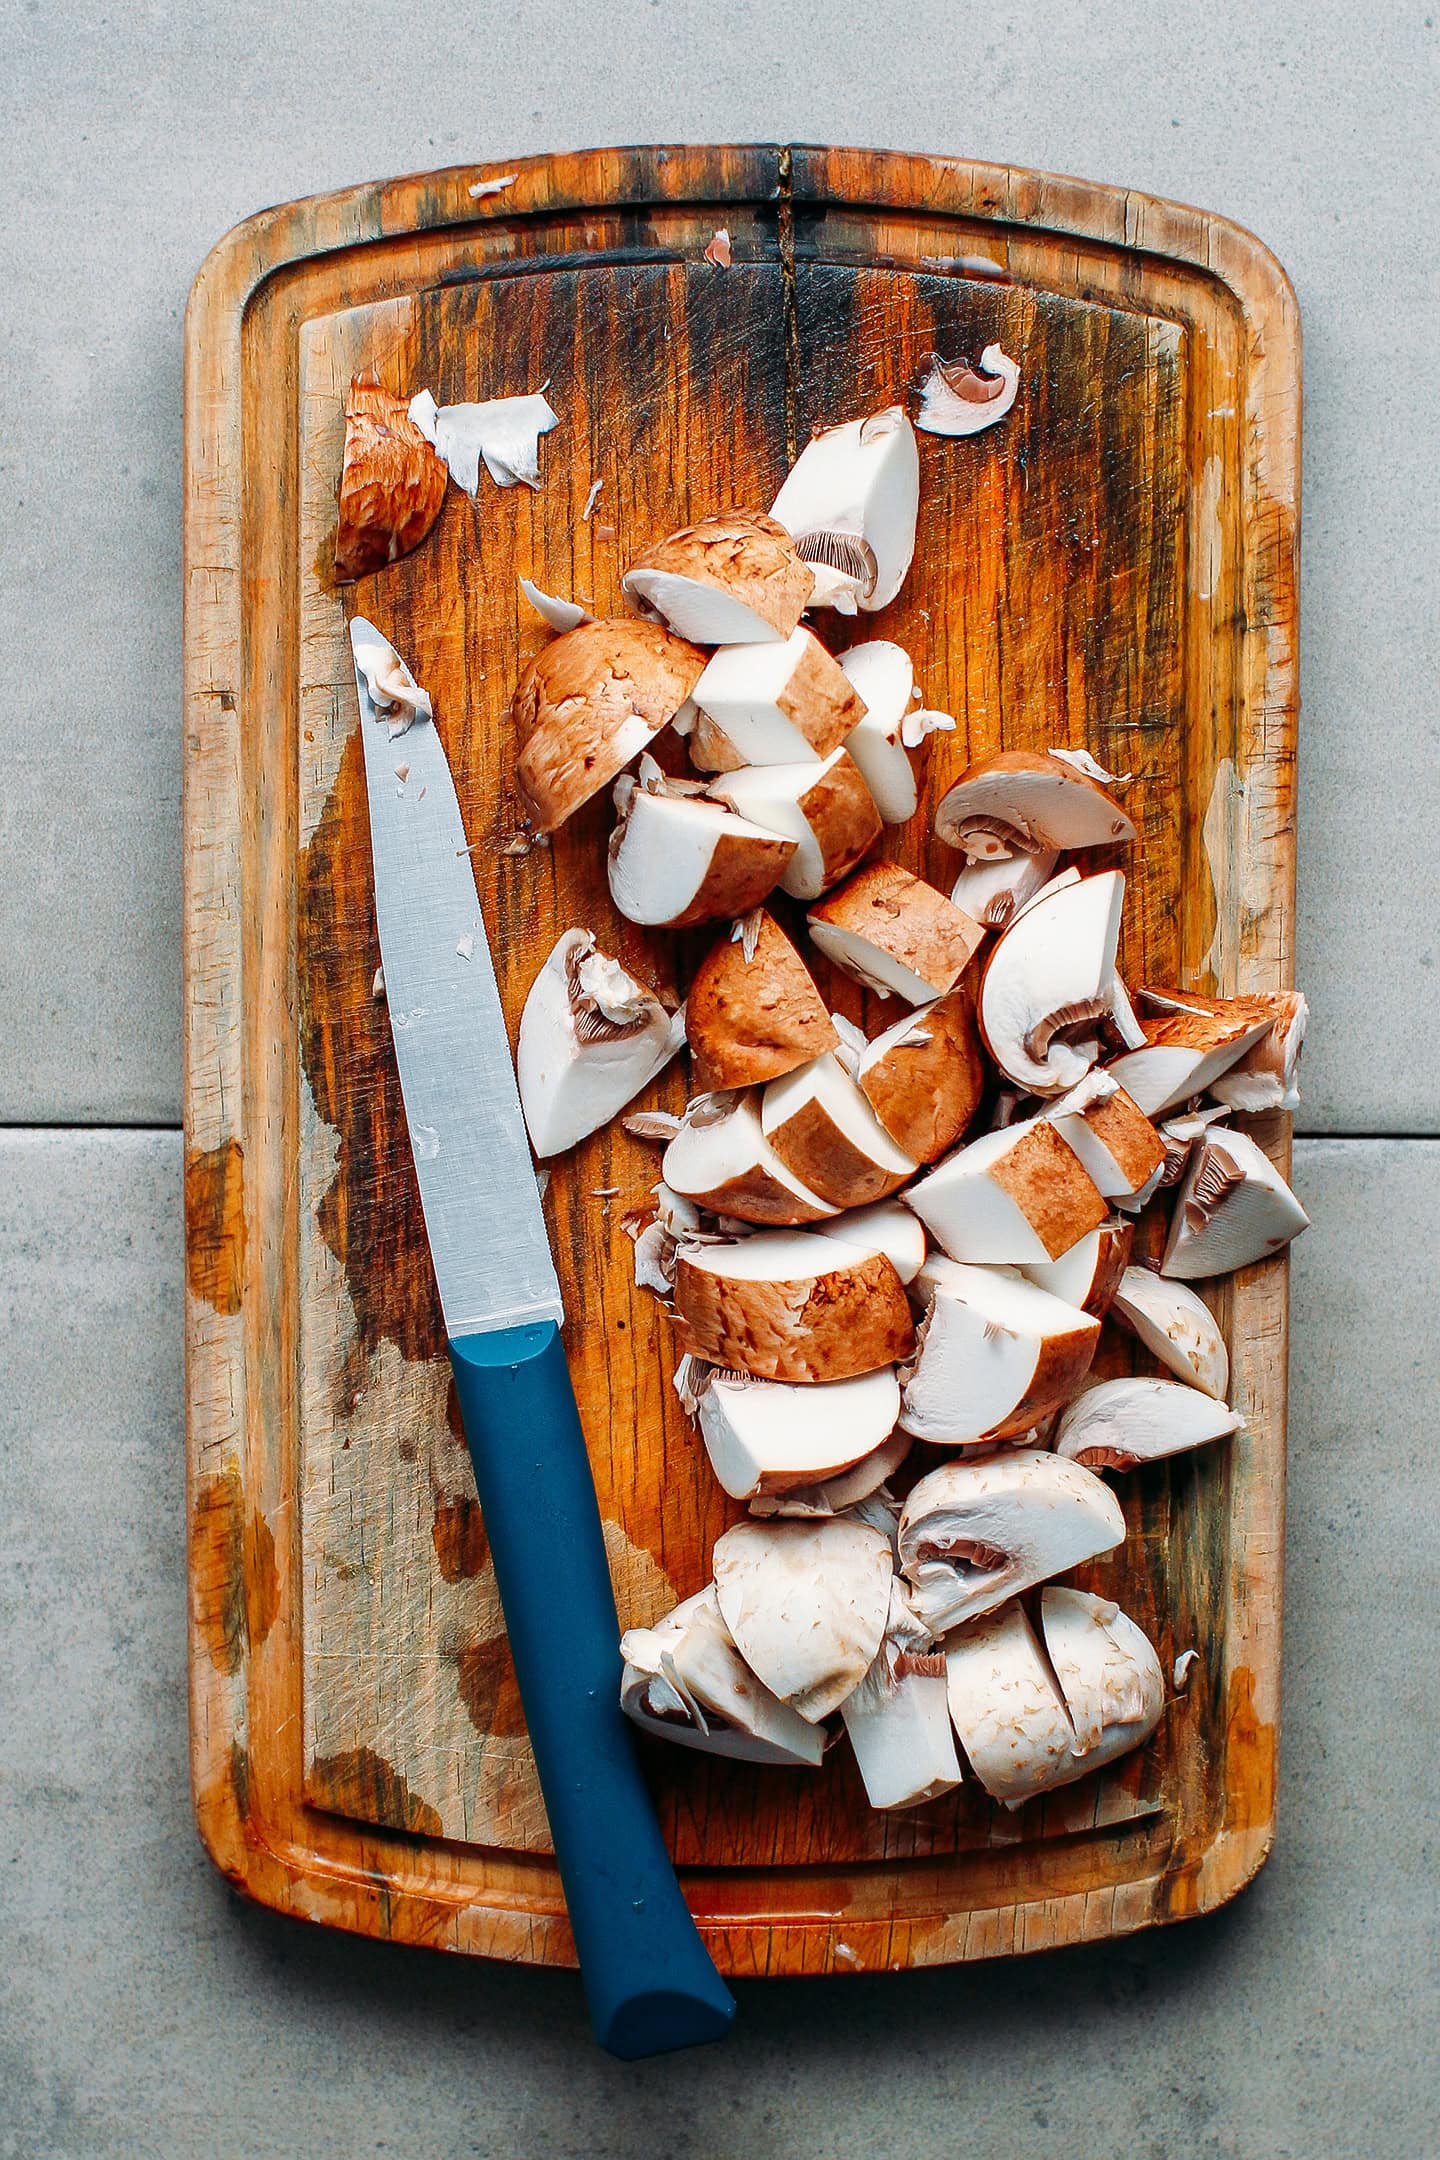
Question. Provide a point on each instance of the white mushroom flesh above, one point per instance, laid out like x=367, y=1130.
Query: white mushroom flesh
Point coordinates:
x=1233, y=1208
x=591, y=1038
x=994, y=1352
x=1122, y=1423
x=851, y=502
x=1047, y=985
x=1177, y=1326
x=806, y=1604
x=770, y=1435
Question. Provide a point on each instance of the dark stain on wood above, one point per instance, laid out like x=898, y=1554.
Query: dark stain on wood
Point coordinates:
x=362, y=1784
x=234, y=1581
x=488, y=1687
x=215, y=1225
x=461, y=1546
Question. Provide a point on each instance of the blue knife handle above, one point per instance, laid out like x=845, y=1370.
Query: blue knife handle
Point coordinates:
x=649, y=1981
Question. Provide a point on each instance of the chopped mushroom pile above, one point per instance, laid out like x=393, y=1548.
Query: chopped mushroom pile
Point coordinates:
x=889, y=1257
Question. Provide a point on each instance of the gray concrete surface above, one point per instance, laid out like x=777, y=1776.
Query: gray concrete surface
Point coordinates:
x=145, y=2011
x=136, y=136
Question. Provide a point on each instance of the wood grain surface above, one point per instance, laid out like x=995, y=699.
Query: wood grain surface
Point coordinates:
x=1113, y=566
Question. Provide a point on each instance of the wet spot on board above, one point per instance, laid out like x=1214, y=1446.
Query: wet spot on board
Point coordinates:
x=364, y=1786
x=234, y=1581
x=215, y=1225
x=461, y=1546
x=488, y=1687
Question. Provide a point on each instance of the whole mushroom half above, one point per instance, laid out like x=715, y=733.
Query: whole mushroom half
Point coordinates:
x=851, y=501
x=791, y=1305
x=684, y=1680
x=753, y=1010
x=995, y=1354
x=392, y=484
x=588, y=703
x=806, y=1604
x=973, y=1534
x=1121, y=1423
x=731, y=579
x=590, y=1038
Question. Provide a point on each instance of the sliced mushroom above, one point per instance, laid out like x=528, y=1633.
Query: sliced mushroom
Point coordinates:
x=973, y=1534
x=1178, y=1326
x=589, y=702
x=957, y=399
x=590, y=1038
x=684, y=1680
x=1009, y=1197
x=1006, y=1709
x=792, y=1305
x=778, y=704
x=806, y=1604
x=824, y=1131
x=848, y=1490
x=1263, y=1078
x=1115, y=1141
x=1090, y=1273
x=1019, y=801
x=1233, y=1208
x=1047, y=986
x=994, y=1354
x=851, y=501
x=825, y=811
x=993, y=890
x=1185, y=1053
x=1121, y=1423
x=1109, y=1676
x=766, y=1436
x=893, y=932
x=881, y=672
x=1122, y=1017
x=898, y=1718
x=505, y=432
x=753, y=1011
x=925, y=1076
x=887, y=1227
x=721, y=1160
x=392, y=484
x=733, y=579
x=677, y=859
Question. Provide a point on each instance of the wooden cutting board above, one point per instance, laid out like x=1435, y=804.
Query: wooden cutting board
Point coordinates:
x=1113, y=566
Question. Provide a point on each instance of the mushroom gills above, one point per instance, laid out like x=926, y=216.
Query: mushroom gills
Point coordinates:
x=1233, y=1208
x=1047, y=985
x=591, y=1038
x=973, y=1534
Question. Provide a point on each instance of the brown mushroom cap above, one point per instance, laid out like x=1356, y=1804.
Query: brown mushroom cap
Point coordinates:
x=392, y=483
x=824, y=1311
x=906, y=922
x=750, y=1020
x=588, y=703
x=1044, y=799
x=925, y=1093
x=744, y=552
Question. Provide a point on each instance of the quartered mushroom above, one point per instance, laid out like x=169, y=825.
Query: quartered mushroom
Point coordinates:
x=993, y=890
x=589, y=702
x=504, y=432
x=889, y=1227
x=882, y=674
x=677, y=859
x=792, y=1305
x=1121, y=1423
x=894, y=933
x=1089, y=1275
x=821, y=1126
x=1176, y=1325
x=392, y=483
x=753, y=1011
x=1005, y=1706
x=710, y=748
x=684, y=1680
x=732, y=579
x=806, y=1604
x=1186, y=1051
x=766, y=1436
x=591, y=1037
x=925, y=1076
x=994, y=1354
x=1109, y=1675
x=973, y=1534
x=778, y=703
x=1020, y=801
x=721, y=1160
x=1233, y=1208
x=834, y=1495
x=1012, y=1196
x=958, y=399
x=824, y=811
x=1047, y=985
x=898, y=1718
x=1115, y=1141
x=851, y=501
x=1264, y=1076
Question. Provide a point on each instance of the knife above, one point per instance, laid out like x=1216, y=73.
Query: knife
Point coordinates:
x=649, y=1982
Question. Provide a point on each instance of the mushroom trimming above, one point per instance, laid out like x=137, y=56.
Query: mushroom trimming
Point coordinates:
x=392, y=483
x=958, y=399
x=590, y=1038
x=684, y=1680
x=505, y=432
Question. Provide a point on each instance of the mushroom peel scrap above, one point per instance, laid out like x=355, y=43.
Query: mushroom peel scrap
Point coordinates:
x=590, y=1038
x=505, y=432
x=1019, y=801
x=779, y=704
x=684, y=1680
x=732, y=579
x=973, y=1534
x=806, y=1604
x=898, y=1718
x=958, y=399
x=1121, y=1423
x=791, y=1305
x=851, y=501
x=767, y=1436
x=1047, y=986
x=995, y=1352
x=894, y=933
x=1177, y=1326
x=1233, y=1208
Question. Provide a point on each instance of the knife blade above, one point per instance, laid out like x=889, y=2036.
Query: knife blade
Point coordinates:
x=650, y=1984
